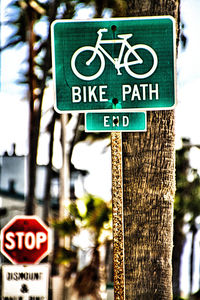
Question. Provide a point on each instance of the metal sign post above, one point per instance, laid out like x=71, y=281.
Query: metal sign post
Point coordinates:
x=117, y=207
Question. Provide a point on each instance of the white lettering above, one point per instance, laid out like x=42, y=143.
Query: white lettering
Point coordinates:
x=125, y=121
x=41, y=237
x=105, y=121
x=10, y=238
x=155, y=91
x=29, y=241
x=84, y=94
x=126, y=89
x=115, y=121
x=20, y=239
x=91, y=93
x=144, y=86
x=135, y=93
x=102, y=93
x=76, y=94
x=144, y=91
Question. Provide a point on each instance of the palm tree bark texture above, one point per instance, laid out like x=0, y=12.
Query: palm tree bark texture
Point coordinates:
x=148, y=161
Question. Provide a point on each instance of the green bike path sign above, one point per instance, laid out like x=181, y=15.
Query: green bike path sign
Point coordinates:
x=115, y=121
x=114, y=64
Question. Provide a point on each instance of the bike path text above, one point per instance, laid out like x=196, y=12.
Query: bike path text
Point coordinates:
x=95, y=93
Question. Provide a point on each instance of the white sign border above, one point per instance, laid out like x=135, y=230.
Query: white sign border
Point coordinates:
x=125, y=130
x=113, y=19
x=27, y=217
x=45, y=268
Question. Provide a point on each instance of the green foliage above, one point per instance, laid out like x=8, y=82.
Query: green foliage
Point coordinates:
x=98, y=215
x=187, y=201
x=64, y=255
x=91, y=213
x=94, y=213
x=25, y=16
x=187, y=185
x=74, y=211
x=66, y=226
x=88, y=213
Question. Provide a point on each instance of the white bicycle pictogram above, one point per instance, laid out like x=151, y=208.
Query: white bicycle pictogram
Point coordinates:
x=100, y=52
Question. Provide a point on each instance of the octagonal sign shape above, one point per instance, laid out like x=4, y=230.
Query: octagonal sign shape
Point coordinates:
x=25, y=240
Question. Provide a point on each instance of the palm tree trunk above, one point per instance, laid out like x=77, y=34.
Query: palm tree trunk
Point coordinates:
x=178, y=240
x=148, y=172
x=35, y=108
x=47, y=196
x=30, y=203
x=194, y=232
x=149, y=185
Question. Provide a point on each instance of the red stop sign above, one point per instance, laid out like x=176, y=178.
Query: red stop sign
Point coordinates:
x=25, y=240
